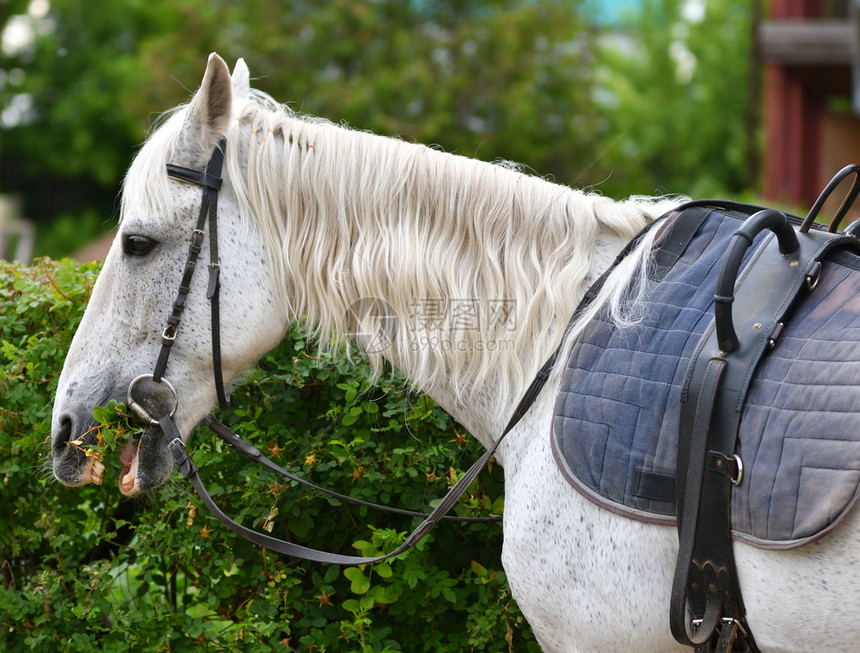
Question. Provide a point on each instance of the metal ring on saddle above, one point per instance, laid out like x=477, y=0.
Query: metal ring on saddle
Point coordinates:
x=736, y=480
x=139, y=410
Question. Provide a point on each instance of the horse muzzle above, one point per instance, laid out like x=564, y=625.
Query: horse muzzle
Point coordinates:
x=146, y=461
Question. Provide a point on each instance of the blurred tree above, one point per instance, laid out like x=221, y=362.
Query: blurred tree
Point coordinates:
x=654, y=105
x=493, y=79
x=65, y=122
x=674, y=89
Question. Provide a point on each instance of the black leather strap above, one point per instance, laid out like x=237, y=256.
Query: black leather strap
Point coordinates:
x=707, y=611
x=683, y=224
x=210, y=180
x=168, y=336
x=775, y=279
x=213, y=287
x=252, y=453
x=190, y=471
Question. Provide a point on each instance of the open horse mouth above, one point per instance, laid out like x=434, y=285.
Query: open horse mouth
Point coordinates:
x=129, y=459
x=146, y=462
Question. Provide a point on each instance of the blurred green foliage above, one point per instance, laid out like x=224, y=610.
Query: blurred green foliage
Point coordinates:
x=678, y=101
x=657, y=104
x=82, y=569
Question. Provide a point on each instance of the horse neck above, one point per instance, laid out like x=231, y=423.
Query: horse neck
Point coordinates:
x=462, y=274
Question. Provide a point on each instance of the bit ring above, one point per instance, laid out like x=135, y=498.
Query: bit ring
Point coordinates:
x=139, y=410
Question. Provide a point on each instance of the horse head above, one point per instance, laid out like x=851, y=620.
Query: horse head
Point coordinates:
x=120, y=335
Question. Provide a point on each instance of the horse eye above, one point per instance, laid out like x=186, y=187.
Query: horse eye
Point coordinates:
x=137, y=245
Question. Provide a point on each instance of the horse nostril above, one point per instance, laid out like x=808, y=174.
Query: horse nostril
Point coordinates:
x=61, y=437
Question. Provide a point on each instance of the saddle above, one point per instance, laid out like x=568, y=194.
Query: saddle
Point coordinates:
x=723, y=411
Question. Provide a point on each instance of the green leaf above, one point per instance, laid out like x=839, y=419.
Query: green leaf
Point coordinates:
x=359, y=584
x=384, y=594
x=301, y=526
x=351, y=417
x=102, y=415
x=366, y=548
x=383, y=570
x=478, y=569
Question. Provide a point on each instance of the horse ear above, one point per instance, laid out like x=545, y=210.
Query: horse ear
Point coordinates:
x=241, y=79
x=210, y=109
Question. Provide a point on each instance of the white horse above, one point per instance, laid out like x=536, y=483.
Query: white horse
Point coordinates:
x=479, y=268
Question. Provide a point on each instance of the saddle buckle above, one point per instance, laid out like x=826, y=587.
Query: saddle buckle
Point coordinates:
x=734, y=621
x=774, y=336
x=813, y=275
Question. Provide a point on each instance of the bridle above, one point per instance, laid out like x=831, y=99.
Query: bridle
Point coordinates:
x=209, y=179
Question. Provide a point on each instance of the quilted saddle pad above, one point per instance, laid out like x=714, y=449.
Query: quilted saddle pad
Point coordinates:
x=615, y=426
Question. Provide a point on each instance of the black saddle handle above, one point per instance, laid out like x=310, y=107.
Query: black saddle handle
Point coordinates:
x=777, y=222
x=847, y=202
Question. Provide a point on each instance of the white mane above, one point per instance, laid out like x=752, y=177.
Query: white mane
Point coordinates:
x=348, y=215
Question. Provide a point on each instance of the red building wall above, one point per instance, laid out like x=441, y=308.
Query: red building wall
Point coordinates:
x=808, y=137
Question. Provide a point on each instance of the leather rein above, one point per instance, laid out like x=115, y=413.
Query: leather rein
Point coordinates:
x=209, y=179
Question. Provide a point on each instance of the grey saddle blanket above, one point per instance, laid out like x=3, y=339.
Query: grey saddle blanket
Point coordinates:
x=615, y=426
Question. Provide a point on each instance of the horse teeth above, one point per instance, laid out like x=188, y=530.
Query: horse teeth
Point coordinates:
x=97, y=472
x=127, y=483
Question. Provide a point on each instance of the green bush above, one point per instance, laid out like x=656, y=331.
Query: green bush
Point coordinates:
x=85, y=569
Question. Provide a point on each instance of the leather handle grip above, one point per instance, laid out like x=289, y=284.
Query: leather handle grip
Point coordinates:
x=777, y=222
x=847, y=202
